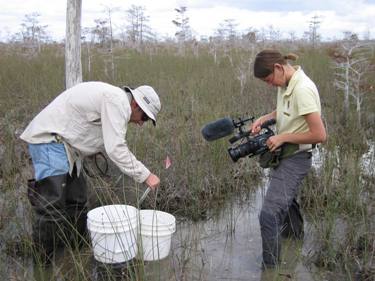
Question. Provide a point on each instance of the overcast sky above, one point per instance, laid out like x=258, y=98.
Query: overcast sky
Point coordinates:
x=336, y=16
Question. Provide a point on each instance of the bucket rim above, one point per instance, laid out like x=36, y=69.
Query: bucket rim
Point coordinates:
x=113, y=213
x=162, y=218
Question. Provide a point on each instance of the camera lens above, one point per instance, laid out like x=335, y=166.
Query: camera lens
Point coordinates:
x=243, y=150
x=233, y=153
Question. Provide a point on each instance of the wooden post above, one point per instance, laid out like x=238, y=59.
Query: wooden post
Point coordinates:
x=73, y=65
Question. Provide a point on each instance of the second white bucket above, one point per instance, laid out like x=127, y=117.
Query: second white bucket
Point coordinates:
x=156, y=229
x=113, y=231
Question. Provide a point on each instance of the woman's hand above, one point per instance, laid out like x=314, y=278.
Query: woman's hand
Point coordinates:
x=256, y=126
x=275, y=142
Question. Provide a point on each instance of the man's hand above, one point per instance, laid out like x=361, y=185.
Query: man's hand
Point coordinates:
x=152, y=181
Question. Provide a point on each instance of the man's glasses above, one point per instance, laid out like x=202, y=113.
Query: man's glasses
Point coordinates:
x=145, y=117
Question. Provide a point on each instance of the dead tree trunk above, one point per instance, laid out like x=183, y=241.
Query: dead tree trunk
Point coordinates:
x=73, y=66
x=352, y=72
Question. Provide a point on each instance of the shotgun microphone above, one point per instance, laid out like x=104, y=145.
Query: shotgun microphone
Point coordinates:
x=218, y=129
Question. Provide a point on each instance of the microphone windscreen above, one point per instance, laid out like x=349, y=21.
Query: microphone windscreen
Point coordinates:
x=218, y=129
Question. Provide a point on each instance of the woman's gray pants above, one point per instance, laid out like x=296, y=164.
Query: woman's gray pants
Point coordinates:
x=280, y=211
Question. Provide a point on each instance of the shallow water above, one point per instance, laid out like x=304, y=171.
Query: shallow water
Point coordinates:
x=226, y=246
x=368, y=160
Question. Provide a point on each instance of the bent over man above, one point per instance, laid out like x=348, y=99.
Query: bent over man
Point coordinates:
x=88, y=118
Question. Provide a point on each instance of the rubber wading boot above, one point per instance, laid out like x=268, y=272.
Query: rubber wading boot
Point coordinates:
x=76, y=208
x=47, y=198
x=46, y=239
x=76, y=228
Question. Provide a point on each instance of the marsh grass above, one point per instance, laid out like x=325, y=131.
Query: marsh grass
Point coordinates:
x=194, y=90
x=337, y=199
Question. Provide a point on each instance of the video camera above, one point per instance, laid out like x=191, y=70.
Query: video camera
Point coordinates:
x=249, y=145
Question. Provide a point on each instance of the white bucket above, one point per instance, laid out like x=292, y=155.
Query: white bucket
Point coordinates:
x=156, y=229
x=113, y=232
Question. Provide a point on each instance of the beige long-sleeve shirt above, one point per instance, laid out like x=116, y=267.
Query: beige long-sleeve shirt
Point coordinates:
x=89, y=117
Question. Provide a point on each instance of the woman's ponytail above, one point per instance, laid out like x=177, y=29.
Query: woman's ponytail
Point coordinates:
x=291, y=56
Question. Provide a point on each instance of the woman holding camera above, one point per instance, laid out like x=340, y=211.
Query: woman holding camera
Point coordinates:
x=299, y=127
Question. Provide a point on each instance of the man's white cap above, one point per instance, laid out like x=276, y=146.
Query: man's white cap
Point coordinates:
x=147, y=99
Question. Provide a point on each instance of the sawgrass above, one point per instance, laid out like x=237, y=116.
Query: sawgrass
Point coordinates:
x=194, y=90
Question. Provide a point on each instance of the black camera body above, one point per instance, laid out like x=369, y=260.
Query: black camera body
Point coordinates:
x=250, y=145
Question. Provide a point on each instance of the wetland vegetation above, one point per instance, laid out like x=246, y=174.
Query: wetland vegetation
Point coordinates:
x=197, y=85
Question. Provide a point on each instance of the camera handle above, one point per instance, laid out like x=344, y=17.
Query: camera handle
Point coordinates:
x=243, y=134
x=268, y=123
x=241, y=122
x=239, y=125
